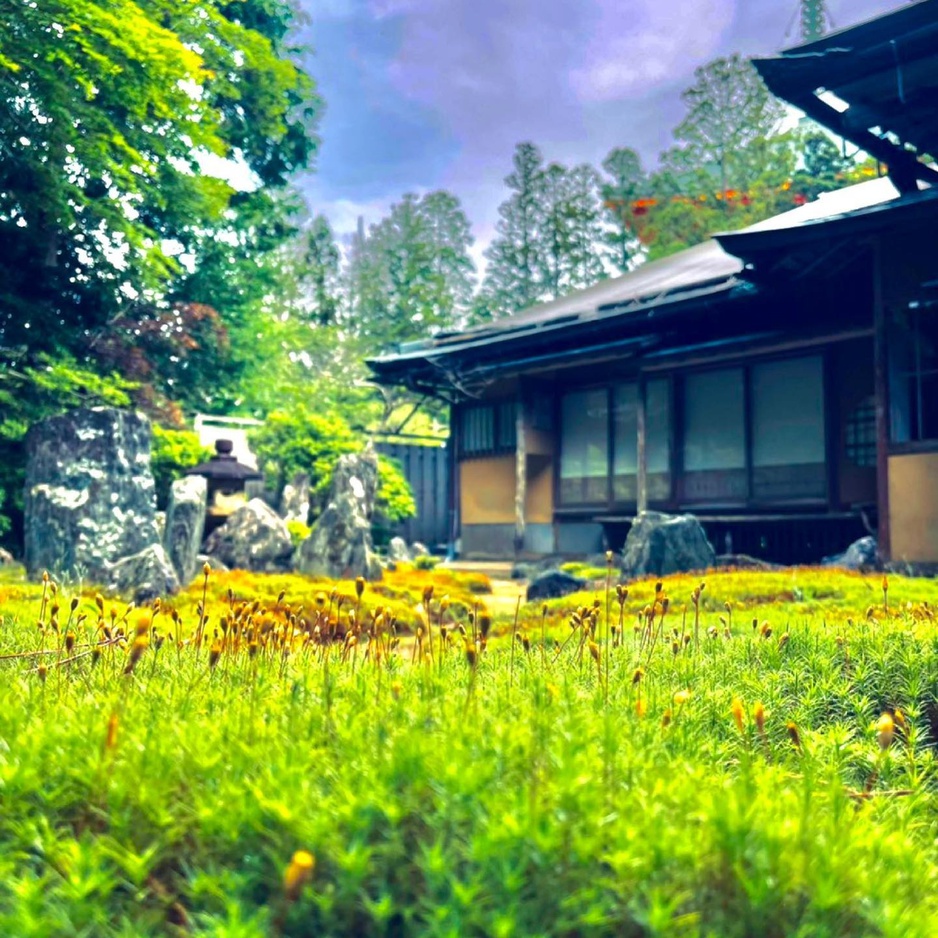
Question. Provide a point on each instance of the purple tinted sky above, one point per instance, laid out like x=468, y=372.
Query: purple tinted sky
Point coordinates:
x=424, y=94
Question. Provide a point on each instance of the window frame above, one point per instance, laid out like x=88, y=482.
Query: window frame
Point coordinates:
x=914, y=443
x=676, y=381
x=504, y=439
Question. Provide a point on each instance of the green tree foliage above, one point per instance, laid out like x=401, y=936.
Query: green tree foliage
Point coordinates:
x=301, y=440
x=625, y=182
x=172, y=452
x=109, y=113
x=729, y=109
x=512, y=278
x=412, y=275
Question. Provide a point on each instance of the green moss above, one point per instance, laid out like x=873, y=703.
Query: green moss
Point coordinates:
x=546, y=791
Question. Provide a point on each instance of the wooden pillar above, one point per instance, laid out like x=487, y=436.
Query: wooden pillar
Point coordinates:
x=881, y=385
x=521, y=477
x=641, y=475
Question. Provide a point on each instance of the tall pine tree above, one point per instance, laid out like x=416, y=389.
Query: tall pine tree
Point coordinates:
x=512, y=278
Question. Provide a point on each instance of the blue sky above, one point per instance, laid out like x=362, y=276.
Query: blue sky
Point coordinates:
x=426, y=94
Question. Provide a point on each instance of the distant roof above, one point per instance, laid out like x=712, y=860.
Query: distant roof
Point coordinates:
x=883, y=75
x=581, y=324
x=706, y=262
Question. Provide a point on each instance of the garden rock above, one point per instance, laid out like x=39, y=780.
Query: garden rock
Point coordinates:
x=214, y=563
x=553, y=584
x=419, y=549
x=6, y=558
x=339, y=545
x=90, y=498
x=860, y=555
x=398, y=550
x=185, y=525
x=144, y=576
x=660, y=544
x=294, y=503
x=253, y=538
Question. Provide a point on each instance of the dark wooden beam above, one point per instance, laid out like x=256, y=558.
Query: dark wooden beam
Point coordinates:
x=904, y=167
x=641, y=480
x=881, y=386
x=521, y=476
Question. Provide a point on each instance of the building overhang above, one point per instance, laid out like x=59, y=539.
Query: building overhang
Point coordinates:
x=875, y=84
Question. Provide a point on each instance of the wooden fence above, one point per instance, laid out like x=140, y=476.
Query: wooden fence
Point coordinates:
x=426, y=469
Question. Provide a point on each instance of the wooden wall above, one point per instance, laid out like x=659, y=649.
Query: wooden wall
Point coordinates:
x=913, y=507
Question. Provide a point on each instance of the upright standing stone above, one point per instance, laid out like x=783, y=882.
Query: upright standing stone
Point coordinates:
x=340, y=543
x=398, y=550
x=185, y=525
x=294, y=503
x=90, y=498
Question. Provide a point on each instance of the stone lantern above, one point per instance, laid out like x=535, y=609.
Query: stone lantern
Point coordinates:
x=227, y=483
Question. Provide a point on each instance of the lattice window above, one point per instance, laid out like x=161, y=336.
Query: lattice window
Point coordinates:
x=861, y=434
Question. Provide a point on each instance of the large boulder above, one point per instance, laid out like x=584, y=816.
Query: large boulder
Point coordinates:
x=659, y=544
x=185, y=525
x=553, y=584
x=144, y=576
x=90, y=498
x=253, y=538
x=860, y=555
x=340, y=543
x=294, y=503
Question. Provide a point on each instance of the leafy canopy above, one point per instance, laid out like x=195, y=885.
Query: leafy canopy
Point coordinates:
x=110, y=113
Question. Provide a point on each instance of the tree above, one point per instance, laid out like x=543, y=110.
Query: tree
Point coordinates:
x=412, y=275
x=571, y=230
x=450, y=237
x=320, y=263
x=512, y=278
x=626, y=182
x=110, y=113
x=728, y=109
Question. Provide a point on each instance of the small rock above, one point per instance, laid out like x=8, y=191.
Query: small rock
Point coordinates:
x=398, y=551
x=6, y=558
x=553, y=584
x=860, y=555
x=216, y=565
x=419, y=549
x=744, y=562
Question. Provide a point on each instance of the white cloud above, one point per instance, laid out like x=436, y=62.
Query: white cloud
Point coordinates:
x=636, y=46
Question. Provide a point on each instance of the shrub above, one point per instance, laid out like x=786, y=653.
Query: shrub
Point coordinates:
x=425, y=562
x=303, y=441
x=172, y=452
x=298, y=532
